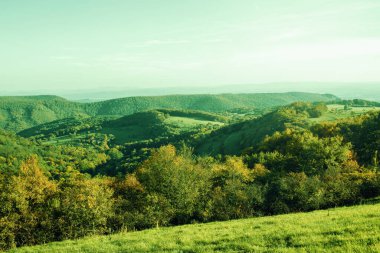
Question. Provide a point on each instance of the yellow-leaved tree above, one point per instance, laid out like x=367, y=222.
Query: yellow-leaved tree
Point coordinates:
x=30, y=197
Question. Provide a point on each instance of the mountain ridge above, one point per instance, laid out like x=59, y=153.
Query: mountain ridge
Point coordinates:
x=19, y=113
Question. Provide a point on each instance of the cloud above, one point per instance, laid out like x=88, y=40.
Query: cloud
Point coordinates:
x=326, y=11
x=165, y=42
x=156, y=42
x=308, y=52
x=169, y=42
x=289, y=35
x=62, y=57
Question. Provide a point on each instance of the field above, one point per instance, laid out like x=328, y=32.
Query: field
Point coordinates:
x=336, y=111
x=347, y=229
x=187, y=124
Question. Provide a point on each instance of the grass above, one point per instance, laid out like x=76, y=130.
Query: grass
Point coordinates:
x=346, y=229
x=188, y=123
x=336, y=111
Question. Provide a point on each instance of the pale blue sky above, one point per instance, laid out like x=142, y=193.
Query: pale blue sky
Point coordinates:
x=71, y=44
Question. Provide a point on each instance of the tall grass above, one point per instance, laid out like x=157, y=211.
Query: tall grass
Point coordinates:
x=347, y=229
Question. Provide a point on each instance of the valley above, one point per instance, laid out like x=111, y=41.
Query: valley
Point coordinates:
x=135, y=164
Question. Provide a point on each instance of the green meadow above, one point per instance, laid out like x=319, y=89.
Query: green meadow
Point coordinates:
x=345, y=229
x=337, y=111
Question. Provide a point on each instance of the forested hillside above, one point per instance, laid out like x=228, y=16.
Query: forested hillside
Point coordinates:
x=208, y=103
x=19, y=113
x=235, y=139
x=89, y=175
x=141, y=126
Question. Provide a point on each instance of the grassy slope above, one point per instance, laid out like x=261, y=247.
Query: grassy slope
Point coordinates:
x=347, y=229
x=136, y=127
x=19, y=113
x=336, y=112
x=234, y=139
x=153, y=124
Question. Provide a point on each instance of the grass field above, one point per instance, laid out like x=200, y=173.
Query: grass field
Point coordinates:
x=187, y=123
x=347, y=229
x=336, y=111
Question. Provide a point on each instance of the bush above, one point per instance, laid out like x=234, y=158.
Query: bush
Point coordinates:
x=84, y=207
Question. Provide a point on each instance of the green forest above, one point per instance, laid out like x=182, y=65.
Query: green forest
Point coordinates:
x=70, y=170
x=19, y=113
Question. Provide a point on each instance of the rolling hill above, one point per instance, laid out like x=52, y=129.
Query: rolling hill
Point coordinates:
x=141, y=126
x=346, y=229
x=233, y=139
x=19, y=113
x=269, y=181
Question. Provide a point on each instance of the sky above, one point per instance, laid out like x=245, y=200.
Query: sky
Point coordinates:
x=88, y=44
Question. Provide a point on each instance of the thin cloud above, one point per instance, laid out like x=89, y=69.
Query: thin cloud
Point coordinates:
x=308, y=52
x=156, y=42
x=165, y=42
x=289, y=35
x=62, y=57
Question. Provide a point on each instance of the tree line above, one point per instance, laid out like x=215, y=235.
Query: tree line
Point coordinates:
x=50, y=193
x=290, y=171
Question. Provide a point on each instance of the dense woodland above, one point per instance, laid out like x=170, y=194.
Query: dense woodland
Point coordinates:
x=82, y=174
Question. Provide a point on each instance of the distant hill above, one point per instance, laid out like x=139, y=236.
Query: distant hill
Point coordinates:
x=345, y=90
x=141, y=126
x=234, y=139
x=19, y=113
x=208, y=103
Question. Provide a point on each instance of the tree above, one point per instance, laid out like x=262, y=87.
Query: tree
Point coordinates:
x=85, y=205
x=301, y=151
x=174, y=183
x=294, y=192
x=364, y=134
x=340, y=188
x=29, y=201
x=230, y=196
x=7, y=218
x=316, y=111
x=130, y=202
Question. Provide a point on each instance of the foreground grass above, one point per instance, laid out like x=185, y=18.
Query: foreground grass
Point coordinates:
x=347, y=229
